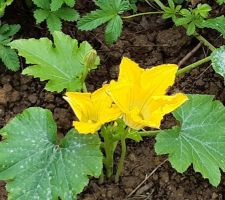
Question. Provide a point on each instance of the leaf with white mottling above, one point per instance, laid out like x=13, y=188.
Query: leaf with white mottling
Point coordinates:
x=218, y=60
x=199, y=139
x=37, y=165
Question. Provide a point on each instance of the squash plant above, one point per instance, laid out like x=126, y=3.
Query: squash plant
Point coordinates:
x=37, y=164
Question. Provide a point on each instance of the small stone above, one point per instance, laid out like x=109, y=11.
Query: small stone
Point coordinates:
x=214, y=195
x=200, y=82
x=132, y=157
x=15, y=96
x=32, y=98
x=164, y=176
x=7, y=87
x=49, y=97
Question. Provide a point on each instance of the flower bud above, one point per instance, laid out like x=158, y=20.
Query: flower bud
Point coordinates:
x=90, y=59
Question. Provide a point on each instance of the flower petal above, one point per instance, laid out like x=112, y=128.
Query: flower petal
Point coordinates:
x=129, y=71
x=80, y=103
x=110, y=114
x=157, y=80
x=86, y=128
x=121, y=94
x=161, y=105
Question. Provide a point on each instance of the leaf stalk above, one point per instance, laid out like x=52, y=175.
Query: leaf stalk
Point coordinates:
x=193, y=65
x=141, y=14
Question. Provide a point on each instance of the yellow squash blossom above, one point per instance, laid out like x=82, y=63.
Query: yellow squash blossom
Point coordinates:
x=92, y=109
x=141, y=93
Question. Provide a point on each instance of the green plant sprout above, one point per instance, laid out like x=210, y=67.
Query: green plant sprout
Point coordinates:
x=191, y=19
x=109, y=12
x=54, y=12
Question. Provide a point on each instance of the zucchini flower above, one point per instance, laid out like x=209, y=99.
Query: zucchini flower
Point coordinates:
x=141, y=93
x=92, y=109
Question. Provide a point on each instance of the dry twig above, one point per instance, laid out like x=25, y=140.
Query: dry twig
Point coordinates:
x=146, y=178
x=190, y=54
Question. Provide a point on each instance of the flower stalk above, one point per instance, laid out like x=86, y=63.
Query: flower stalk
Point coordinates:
x=122, y=158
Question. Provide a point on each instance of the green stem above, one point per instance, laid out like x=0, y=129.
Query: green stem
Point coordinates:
x=122, y=159
x=84, y=87
x=101, y=178
x=148, y=133
x=141, y=14
x=192, y=66
x=205, y=42
x=109, y=148
x=83, y=78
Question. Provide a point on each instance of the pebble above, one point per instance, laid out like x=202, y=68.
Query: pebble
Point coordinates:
x=49, y=97
x=7, y=87
x=33, y=98
x=15, y=96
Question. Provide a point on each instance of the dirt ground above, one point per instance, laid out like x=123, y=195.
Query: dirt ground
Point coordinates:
x=148, y=40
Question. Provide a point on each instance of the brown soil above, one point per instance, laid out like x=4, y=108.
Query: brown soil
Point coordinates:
x=149, y=41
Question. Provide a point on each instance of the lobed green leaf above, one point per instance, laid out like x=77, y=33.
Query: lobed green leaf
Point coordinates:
x=36, y=165
x=199, y=139
x=61, y=63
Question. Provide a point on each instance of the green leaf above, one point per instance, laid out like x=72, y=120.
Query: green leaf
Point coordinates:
x=10, y=58
x=113, y=29
x=56, y=5
x=94, y=19
x=191, y=28
x=217, y=23
x=204, y=9
x=220, y=2
x=67, y=14
x=44, y=4
x=7, y=31
x=134, y=135
x=218, y=60
x=62, y=63
x=109, y=12
x=186, y=13
x=199, y=139
x=40, y=15
x=54, y=23
x=53, y=19
x=36, y=165
x=182, y=21
x=171, y=4
x=3, y=5
x=133, y=5
x=70, y=3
